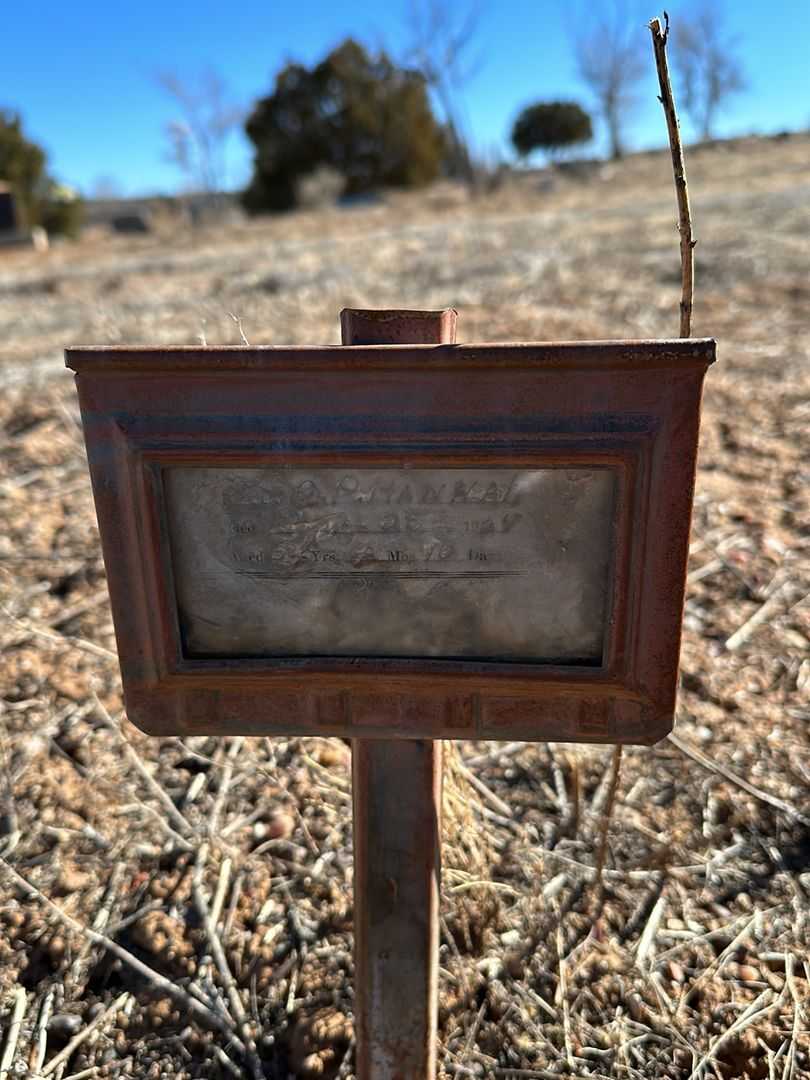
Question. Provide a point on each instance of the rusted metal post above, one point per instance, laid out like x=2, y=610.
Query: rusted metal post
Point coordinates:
x=397, y=852
x=396, y=793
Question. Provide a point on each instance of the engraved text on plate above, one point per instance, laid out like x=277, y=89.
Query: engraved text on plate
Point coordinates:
x=490, y=563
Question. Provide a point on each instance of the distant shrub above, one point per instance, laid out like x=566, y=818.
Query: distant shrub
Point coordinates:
x=40, y=199
x=551, y=126
x=22, y=165
x=61, y=211
x=360, y=115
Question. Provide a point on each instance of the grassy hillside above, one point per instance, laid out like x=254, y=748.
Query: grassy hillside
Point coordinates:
x=690, y=958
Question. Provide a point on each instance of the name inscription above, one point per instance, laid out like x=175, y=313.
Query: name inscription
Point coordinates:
x=478, y=563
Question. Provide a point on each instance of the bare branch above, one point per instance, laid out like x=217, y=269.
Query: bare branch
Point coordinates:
x=441, y=38
x=707, y=71
x=611, y=64
x=197, y=139
x=659, y=39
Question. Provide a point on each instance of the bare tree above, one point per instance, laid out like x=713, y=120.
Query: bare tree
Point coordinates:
x=705, y=65
x=441, y=39
x=198, y=137
x=609, y=53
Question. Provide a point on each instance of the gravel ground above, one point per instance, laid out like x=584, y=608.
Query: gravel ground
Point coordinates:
x=183, y=908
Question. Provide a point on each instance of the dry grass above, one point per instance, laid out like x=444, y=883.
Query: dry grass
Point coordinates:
x=214, y=939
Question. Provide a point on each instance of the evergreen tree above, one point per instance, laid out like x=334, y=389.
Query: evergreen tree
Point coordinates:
x=356, y=113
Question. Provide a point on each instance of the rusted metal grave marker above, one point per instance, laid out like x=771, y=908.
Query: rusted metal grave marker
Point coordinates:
x=397, y=540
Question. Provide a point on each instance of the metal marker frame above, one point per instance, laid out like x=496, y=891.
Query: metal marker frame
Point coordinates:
x=399, y=391
x=629, y=406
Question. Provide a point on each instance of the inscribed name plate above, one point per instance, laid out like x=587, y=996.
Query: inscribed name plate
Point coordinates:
x=490, y=563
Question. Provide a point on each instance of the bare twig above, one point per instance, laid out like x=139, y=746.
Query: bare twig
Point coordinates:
x=220, y=959
x=140, y=807
x=775, y=602
x=9, y=820
x=732, y=777
x=497, y=804
x=81, y=607
x=67, y=615
x=17, y=1014
x=238, y=320
x=231, y=912
x=615, y=773
x=789, y=1071
x=234, y=750
x=135, y=760
x=647, y=939
x=562, y=993
x=559, y=782
x=659, y=39
x=758, y=1009
x=222, y=888
x=718, y=962
x=473, y=1032
x=65, y=1054
x=59, y=638
x=195, y=1007
x=41, y=1032
x=102, y=917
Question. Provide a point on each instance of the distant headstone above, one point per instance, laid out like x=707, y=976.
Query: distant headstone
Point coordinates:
x=8, y=210
x=135, y=222
x=359, y=199
x=36, y=238
x=12, y=236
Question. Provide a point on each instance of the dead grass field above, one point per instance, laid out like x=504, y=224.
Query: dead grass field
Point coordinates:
x=691, y=960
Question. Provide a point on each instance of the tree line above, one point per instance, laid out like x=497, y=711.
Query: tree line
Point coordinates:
x=374, y=121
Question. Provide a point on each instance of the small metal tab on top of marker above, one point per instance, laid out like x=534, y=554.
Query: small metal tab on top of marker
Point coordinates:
x=397, y=540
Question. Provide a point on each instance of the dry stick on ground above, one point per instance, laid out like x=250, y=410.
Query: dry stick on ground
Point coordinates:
x=616, y=768
x=40, y=1039
x=775, y=602
x=196, y=1008
x=757, y=1010
x=498, y=804
x=221, y=961
x=718, y=962
x=9, y=820
x=135, y=760
x=17, y=1014
x=65, y=1054
x=659, y=39
x=647, y=940
x=233, y=752
x=562, y=993
x=58, y=637
x=740, y=781
x=100, y=920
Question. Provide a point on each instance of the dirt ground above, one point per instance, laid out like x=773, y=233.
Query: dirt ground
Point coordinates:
x=183, y=908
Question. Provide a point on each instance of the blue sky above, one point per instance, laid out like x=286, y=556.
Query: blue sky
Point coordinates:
x=83, y=74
